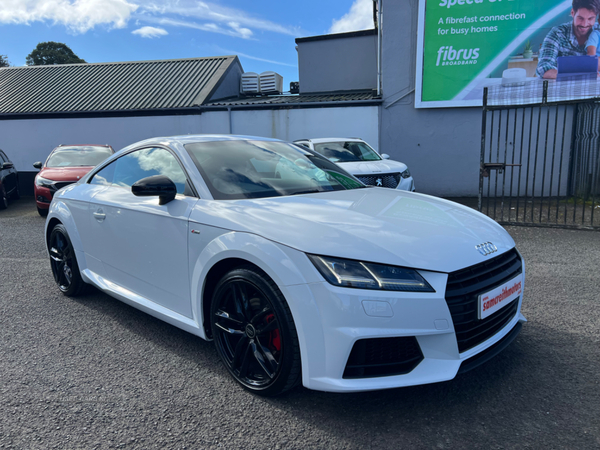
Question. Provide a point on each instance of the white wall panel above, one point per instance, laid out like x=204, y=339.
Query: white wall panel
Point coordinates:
x=31, y=140
x=292, y=124
x=28, y=141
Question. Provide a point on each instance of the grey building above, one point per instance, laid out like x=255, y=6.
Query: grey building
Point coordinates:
x=121, y=103
x=358, y=84
x=440, y=146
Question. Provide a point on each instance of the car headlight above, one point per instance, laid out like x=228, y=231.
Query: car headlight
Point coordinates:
x=39, y=181
x=363, y=275
x=406, y=174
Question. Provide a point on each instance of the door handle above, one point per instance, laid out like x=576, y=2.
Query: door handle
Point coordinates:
x=99, y=215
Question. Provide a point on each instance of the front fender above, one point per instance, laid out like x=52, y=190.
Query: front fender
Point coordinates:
x=290, y=269
x=71, y=212
x=285, y=266
x=61, y=211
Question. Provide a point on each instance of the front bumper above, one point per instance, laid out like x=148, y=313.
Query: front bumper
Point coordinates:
x=43, y=197
x=346, y=316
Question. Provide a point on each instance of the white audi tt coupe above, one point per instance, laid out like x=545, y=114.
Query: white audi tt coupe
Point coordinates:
x=297, y=271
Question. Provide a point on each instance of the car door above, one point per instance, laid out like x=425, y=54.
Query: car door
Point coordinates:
x=8, y=175
x=143, y=246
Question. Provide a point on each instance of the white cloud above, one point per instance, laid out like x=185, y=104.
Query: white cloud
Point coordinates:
x=270, y=61
x=231, y=29
x=360, y=17
x=246, y=33
x=150, y=32
x=78, y=16
x=215, y=13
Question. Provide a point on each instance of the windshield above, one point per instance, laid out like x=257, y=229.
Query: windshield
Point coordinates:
x=346, y=151
x=236, y=169
x=84, y=155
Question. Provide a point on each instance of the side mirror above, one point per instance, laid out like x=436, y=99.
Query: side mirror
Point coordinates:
x=7, y=165
x=38, y=165
x=385, y=156
x=157, y=185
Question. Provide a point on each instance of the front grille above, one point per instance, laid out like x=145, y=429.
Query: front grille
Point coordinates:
x=462, y=292
x=61, y=184
x=382, y=357
x=390, y=180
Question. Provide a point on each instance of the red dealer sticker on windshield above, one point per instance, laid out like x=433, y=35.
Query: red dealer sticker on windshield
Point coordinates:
x=498, y=298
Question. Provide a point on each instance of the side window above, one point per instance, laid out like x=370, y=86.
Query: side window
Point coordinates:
x=147, y=162
x=105, y=176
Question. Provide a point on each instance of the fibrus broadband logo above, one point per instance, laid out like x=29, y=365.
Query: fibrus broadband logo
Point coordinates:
x=448, y=56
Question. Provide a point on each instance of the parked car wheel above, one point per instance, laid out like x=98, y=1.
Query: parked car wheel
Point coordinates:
x=42, y=212
x=3, y=198
x=254, y=333
x=64, y=263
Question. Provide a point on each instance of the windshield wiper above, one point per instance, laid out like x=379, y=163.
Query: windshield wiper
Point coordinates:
x=308, y=191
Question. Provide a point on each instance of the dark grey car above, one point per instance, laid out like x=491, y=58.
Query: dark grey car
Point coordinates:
x=9, y=180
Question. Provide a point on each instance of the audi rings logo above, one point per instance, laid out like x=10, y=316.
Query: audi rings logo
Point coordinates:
x=487, y=248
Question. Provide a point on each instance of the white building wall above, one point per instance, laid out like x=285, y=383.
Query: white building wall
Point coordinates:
x=31, y=140
x=292, y=124
x=28, y=141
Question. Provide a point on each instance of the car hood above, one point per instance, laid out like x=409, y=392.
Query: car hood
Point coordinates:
x=371, y=224
x=371, y=167
x=64, y=173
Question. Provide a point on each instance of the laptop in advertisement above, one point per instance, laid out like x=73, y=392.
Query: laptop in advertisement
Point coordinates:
x=577, y=67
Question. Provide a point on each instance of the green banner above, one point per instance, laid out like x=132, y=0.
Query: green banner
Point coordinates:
x=468, y=41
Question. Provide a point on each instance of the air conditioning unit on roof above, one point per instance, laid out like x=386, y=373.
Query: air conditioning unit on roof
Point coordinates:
x=271, y=83
x=249, y=83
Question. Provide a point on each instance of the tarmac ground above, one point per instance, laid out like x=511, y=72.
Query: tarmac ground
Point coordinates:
x=94, y=373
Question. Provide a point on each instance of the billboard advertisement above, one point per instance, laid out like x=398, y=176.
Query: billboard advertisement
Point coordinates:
x=465, y=45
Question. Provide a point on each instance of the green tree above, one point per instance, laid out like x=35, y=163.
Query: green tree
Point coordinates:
x=4, y=61
x=49, y=53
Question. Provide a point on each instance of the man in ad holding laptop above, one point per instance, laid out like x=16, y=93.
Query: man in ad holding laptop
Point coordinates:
x=568, y=39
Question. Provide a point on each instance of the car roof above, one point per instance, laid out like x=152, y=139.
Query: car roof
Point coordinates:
x=194, y=138
x=332, y=139
x=84, y=145
x=63, y=146
x=219, y=137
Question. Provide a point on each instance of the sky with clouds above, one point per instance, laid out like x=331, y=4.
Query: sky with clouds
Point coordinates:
x=261, y=33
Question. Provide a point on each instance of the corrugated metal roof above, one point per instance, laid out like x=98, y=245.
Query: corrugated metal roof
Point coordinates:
x=122, y=86
x=299, y=99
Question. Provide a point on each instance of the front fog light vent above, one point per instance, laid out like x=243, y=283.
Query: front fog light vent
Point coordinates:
x=382, y=357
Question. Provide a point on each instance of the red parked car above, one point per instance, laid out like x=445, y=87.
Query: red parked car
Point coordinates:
x=65, y=165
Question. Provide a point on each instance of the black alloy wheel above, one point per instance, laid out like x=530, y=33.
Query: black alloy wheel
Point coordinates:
x=254, y=333
x=64, y=264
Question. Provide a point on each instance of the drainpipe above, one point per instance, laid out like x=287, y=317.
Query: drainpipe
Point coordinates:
x=230, y=122
x=379, y=22
x=379, y=110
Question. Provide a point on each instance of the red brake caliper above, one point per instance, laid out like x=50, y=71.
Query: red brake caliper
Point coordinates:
x=274, y=338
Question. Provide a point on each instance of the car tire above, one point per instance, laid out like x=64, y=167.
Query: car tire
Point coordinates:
x=3, y=198
x=42, y=212
x=254, y=332
x=64, y=263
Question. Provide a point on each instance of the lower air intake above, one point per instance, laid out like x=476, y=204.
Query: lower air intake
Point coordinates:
x=382, y=357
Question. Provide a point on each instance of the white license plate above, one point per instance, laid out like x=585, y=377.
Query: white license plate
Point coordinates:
x=496, y=299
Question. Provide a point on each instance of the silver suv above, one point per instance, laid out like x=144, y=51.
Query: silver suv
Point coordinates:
x=361, y=160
